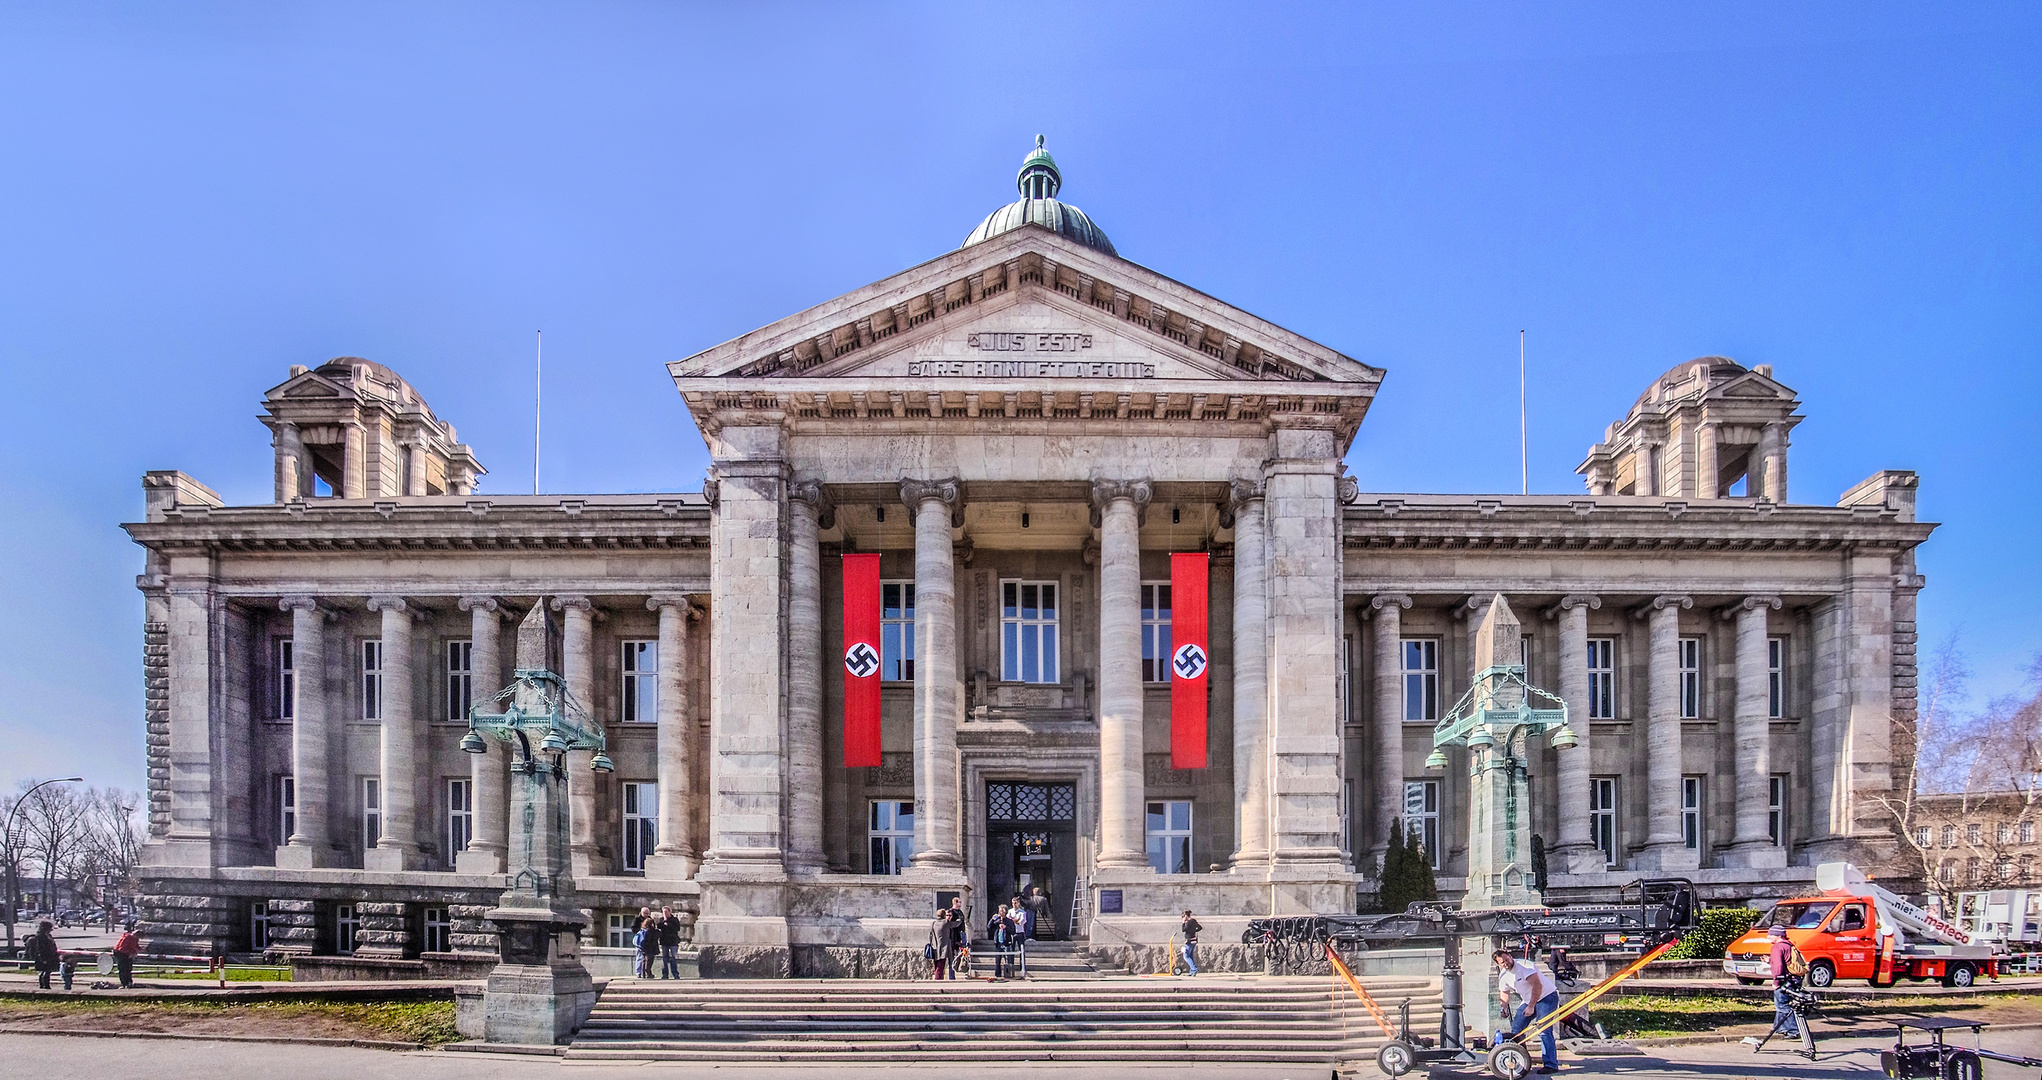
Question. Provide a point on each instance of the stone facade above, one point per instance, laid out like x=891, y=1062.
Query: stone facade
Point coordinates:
x=1024, y=430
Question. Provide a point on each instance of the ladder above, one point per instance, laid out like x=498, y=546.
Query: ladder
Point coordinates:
x=1080, y=905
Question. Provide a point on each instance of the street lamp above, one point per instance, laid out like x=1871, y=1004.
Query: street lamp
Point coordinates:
x=14, y=853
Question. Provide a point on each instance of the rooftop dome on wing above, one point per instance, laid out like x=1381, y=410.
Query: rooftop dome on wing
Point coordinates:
x=1039, y=181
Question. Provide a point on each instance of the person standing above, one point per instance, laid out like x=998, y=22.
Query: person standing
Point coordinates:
x=124, y=952
x=1537, y=995
x=42, y=952
x=1039, y=920
x=1784, y=1020
x=669, y=943
x=1189, y=949
x=1024, y=930
x=1000, y=931
x=647, y=943
x=942, y=949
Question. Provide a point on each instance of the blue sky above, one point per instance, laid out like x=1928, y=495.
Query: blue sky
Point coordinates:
x=195, y=196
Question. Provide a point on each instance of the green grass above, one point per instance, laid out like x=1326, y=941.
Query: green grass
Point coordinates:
x=428, y=1022
x=1637, y=1016
x=234, y=974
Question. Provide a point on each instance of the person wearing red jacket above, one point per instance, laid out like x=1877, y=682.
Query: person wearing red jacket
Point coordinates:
x=124, y=952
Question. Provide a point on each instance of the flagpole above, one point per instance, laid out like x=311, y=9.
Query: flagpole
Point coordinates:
x=1523, y=447
x=538, y=384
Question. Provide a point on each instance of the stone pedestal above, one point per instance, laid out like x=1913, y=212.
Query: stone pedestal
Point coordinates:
x=540, y=993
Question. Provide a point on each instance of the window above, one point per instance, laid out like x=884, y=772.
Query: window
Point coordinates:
x=1689, y=650
x=1924, y=837
x=1691, y=812
x=347, y=926
x=639, y=685
x=1602, y=815
x=1776, y=677
x=641, y=823
x=1421, y=814
x=287, y=808
x=1971, y=869
x=2027, y=832
x=892, y=835
x=258, y=926
x=372, y=680
x=1974, y=833
x=1602, y=680
x=1853, y=918
x=1156, y=633
x=1524, y=655
x=1949, y=871
x=2003, y=833
x=437, y=929
x=372, y=811
x=1170, y=836
x=460, y=816
x=1776, y=808
x=896, y=631
x=1421, y=679
x=460, y=679
x=1028, y=632
x=287, y=680
x=1949, y=836
x=622, y=927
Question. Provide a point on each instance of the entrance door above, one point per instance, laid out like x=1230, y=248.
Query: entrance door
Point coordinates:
x=1032, y=843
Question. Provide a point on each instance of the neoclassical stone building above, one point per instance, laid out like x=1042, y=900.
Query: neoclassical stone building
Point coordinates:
x=1023, y=431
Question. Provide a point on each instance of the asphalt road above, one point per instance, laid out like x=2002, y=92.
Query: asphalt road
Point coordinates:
x=51, y=1057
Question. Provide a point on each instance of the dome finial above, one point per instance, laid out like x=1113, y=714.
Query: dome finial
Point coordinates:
x=1039, y=178
x=1038, y=142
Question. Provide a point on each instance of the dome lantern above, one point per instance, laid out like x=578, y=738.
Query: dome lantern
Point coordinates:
x=1039, y=181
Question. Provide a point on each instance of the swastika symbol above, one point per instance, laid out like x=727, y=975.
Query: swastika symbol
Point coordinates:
x=860, y=660
x=1189, y=662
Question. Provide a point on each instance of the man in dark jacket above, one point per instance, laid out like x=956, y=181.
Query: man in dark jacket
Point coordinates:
x=1000, y=931
x=42, y=952
x=942, y=945
x=1189, y=950
x=669, y=944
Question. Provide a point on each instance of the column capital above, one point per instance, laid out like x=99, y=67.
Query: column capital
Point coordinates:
x=1750, y=603
x=388, y=603
x=1139, y=492
x=483, y=603
x=1381, y=601
x=573, y=602
x=1574, y=600
x=712, y=488
x=1239, y=494
x=300, y=603
x=1467, y=609
x=1662, y=602
x=812, y=493
x=949, y=491
x=1348, y=488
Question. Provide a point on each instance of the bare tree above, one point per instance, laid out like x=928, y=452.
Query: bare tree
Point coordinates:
x=54, y=822
x=113, y=840
x=1930, y=767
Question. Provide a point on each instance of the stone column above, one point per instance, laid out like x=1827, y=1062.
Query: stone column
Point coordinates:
x=311, y=845
x=673, y=856
x=1251, y=677
x=354, y=464
x=1663, y=849
x=1706, y=468
x=489, y=774
x=1645, y=468
x=806, y=506
x=938, y=694
x=1386, y=657
x=1576, y=852
x=1772, y=454
x=414, y=467
x=1119, y=507
x=397, y=847
x=1750, y=846
x=578, y=672
x=293, y=471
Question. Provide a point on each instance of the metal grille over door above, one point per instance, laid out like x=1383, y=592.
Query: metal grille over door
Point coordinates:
x=1032, y=844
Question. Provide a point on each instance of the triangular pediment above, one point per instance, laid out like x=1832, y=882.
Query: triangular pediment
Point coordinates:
x=1036, y=305
x=307, y=385
x=1752, y=385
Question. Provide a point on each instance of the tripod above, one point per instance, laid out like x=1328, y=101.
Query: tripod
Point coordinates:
x=1801, y=1005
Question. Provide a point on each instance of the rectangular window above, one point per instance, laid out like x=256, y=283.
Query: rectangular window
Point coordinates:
x=372, y=680
x=460, y=679
x=892, y=835
x=258, y=926
x=641, y=823
x=287, y=680
x=1602, y=679
x=896, y=631
x=1776, y=677
x=1974, y=834
x=1602, y=816
x=287, y=808
x=1690, y=653
x=638, y=686
x=1156, y=633
x=1421, y=814
x=347, y=926
x=1170, y=836
x=621, y=928
x=372, y=811
x=1524, y=656
x=1028, y=631
x=438, y=929
x=1949, y=836
x=1691, y=812
x=1421, y=679
x=1924, y=837
x=1776, y=809
x=2003, y=833
x=2027, y=832
x=460, y=816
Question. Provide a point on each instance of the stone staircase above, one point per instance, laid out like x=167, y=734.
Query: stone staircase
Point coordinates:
x=1051, y=961
x=1206, y=1019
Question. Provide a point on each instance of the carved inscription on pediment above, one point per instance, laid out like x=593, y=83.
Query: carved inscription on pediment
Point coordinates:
x=1031, y=354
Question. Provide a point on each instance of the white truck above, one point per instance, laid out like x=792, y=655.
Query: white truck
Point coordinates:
x=1857, y=930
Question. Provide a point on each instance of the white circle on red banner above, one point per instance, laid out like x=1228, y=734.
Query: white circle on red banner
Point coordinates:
x=860, y=660
x=1189, y=661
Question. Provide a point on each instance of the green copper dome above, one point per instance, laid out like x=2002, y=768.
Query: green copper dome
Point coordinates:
x=1038, y=182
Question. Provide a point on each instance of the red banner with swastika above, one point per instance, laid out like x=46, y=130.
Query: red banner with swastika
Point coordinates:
x=1188, y=659
x=861, y=660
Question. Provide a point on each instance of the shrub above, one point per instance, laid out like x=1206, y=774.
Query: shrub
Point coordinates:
x=1719, y=927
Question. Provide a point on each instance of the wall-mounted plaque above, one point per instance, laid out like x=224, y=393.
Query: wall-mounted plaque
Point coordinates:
x=1109, y=901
